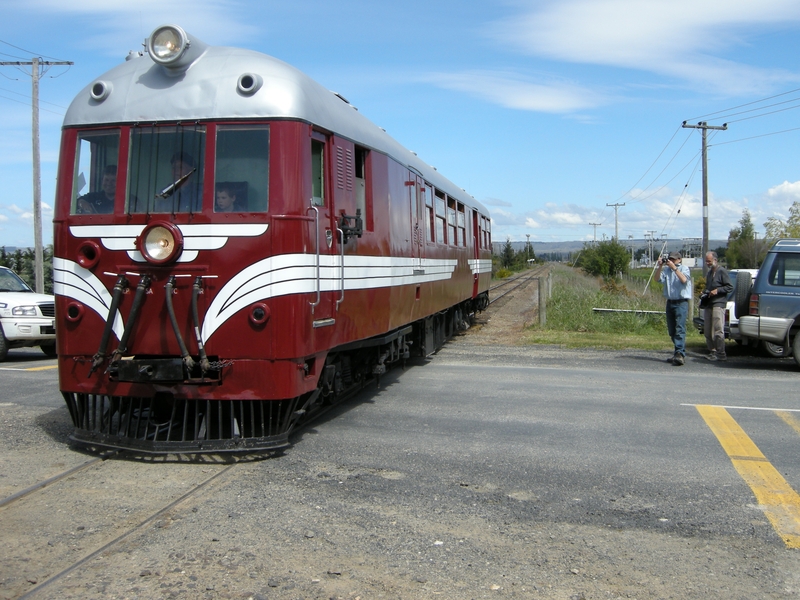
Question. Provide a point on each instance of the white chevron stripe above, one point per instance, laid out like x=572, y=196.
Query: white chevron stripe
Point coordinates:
x=73, y=281
x=297, y=274
x=210, y=236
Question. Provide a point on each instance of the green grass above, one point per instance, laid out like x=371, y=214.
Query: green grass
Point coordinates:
x=572, y=323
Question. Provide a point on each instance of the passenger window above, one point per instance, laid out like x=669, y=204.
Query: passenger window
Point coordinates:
x=462, y=226
x=241, y=176
x=441, y=215
x=451, y=222
x=429, y=224
x=95, y=176
x=166, y=169
x=317, y=173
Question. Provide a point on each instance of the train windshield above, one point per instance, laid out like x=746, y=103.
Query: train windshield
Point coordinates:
x=165, y=174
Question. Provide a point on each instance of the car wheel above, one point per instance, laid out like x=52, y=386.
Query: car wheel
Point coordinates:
x=744, y=281
x=49, y=350
x=796, y=349
x=3, y=346
x=776, y=350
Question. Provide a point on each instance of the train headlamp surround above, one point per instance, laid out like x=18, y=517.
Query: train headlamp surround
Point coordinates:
x=167, y=44
x=161, y=243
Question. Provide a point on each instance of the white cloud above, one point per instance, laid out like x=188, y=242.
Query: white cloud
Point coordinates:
x=679, y=38
x=15, y=209
x=531, y=223
x=515, y=91
x=3, y=218
x=786, y=191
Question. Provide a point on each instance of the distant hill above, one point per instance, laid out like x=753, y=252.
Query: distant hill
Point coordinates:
x=576, y=245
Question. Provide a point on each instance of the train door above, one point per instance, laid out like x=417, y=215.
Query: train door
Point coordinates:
x=417, y=202
x=326, y=262
x=476, y=252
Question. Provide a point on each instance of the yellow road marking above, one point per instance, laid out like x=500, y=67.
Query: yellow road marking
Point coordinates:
x=776, y=497
x=790, y=419
x=42, y=368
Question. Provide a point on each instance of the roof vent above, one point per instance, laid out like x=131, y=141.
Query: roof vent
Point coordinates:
x=100, y=90
x=249, y=83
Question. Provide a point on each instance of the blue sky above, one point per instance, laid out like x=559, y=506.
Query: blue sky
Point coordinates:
x=543, y=110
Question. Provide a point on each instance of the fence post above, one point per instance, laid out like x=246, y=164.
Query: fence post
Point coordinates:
x=542, y=301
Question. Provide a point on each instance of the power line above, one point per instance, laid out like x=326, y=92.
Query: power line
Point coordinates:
x=29, y=104
x=26, y=96
x=28, y=52
x=743, y=105
x=752, y=137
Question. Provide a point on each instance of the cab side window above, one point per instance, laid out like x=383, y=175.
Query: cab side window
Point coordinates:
x=317, y=173
x=241, y=171
x=95, y=176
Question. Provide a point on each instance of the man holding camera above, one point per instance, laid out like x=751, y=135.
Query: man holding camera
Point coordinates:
x=718, y=286
x=677, y=282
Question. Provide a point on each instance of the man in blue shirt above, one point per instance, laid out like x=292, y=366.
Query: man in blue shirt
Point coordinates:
x=677, y=282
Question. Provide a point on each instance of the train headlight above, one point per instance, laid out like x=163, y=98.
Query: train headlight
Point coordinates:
x=161, y=243
x=171, y=47
x=167, y=44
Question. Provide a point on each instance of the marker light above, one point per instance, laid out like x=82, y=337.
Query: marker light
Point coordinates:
x=161, y=243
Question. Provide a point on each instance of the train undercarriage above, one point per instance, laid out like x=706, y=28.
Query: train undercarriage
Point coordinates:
x=165, y=424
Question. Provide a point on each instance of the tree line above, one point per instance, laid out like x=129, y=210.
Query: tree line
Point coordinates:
x=22, y=262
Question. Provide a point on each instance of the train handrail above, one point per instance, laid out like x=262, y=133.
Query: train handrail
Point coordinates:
x=341, y=250
x=316, y=235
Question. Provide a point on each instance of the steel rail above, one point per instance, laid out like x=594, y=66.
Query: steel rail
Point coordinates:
x=58, y=576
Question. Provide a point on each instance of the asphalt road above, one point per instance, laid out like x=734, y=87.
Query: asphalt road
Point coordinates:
x=482, y=472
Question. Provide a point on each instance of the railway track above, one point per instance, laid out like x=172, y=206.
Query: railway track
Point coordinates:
x=511, y=284
x=59, y=525
x=55, y=527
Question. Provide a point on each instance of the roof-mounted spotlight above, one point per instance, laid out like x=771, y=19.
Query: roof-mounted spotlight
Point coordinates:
x=171, y=47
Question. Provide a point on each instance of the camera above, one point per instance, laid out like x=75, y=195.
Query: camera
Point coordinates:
x=664, y=258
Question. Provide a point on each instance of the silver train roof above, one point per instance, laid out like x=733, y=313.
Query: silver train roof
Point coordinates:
x=210, y=87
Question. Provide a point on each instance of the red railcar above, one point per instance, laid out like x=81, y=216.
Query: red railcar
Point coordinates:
x=237, y=247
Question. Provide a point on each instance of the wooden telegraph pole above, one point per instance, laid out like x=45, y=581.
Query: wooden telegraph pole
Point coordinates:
x=704, y=127
x=35, y=65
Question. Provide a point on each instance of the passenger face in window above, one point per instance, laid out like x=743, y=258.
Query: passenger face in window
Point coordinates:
x=225, y=201
x=109, y=185
x=180, y=168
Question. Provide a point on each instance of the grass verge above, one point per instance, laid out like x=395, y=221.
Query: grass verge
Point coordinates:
x=572, y=323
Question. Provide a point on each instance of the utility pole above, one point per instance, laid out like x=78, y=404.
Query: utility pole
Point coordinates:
x=616, y=220
x=36, y=64
x=630, y=241
x=595, y=231
x=704, y=127
x=648, y=235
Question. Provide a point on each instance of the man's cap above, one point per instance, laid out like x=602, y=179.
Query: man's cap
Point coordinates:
x=675, y=255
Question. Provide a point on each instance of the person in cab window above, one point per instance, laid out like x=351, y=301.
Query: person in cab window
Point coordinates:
x=226, y=199
x=183, y=194
x=101, y=201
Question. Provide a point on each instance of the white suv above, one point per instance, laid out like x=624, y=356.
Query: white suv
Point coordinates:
x=26, y=318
